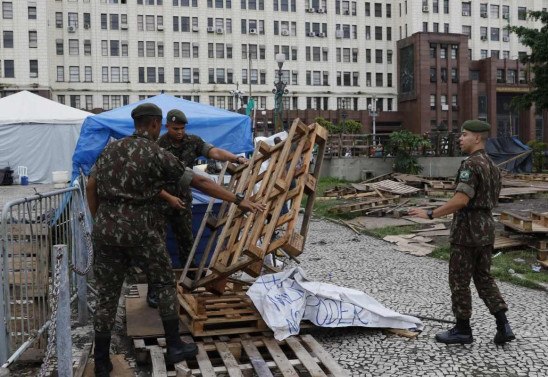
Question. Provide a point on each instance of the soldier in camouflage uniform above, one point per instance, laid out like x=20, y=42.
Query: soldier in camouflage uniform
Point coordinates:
x=187, y=148
x=472, y=237
x=123, y=191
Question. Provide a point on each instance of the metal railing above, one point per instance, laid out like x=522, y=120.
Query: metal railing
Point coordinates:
x=35, y=233
x=443, y=144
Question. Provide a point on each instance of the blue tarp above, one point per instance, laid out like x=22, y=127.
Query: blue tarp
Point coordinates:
x=222, y=128
x=504, y=149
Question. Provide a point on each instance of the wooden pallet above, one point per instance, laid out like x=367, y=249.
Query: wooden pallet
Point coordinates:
x=394, y=187
x=532, y=177
x=535, y=223
x=241, y=241
x=441, y=185
x=502, y=242
x=365, y=205
x=207, y=314
x=250, y=356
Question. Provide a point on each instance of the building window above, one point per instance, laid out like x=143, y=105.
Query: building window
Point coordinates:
x=7, y=10
x=89, y=102
x=75, y=101
x=433, y=74
x=33, y=39
x=61, y=99
x=59, y=47
x=88, y=75
x=74, y=74
x=60, y=73
x=500, y=76
x=87, y=47
x=33, y=69
x=32, y=13
x=467, y=9
x=522, y=13
x=495, y=34
x=8, y=39
x=467, y=30
x=73, y=47
x=73, y=19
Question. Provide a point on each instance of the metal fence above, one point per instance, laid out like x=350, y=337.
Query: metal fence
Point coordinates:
x=37, y=234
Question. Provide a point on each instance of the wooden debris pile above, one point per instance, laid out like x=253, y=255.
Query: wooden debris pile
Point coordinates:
x=384, y=201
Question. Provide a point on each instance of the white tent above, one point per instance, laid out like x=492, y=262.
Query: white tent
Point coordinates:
x=39, y=134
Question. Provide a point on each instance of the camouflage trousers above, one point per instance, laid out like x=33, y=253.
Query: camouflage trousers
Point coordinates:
x=181, y=224
x=111, y=264
x=472, y=262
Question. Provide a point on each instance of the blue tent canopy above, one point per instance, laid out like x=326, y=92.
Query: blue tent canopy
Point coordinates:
x=222, y=128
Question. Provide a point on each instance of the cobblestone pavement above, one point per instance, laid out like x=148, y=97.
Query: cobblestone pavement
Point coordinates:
x=415, y=285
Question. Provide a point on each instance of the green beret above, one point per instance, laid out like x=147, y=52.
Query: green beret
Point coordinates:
x=145, y=109
x=176, y=116
x=476, y=126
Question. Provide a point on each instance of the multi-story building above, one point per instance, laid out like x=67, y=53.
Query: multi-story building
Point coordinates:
x=107, y=53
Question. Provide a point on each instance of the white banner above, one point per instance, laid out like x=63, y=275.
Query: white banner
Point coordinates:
x=286, y=298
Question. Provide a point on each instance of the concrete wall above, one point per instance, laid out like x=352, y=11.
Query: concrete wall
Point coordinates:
x=361, y=168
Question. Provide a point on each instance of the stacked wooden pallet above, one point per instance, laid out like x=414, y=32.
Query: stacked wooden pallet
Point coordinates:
x=279, y=177
x=534, y=223
x=208, y=314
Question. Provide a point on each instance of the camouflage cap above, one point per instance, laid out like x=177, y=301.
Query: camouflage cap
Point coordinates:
x=145, y=109
x=475, y=125
x=176, y=116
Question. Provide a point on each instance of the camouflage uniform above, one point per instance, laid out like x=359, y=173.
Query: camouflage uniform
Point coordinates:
x=187, y=151
x=473, y=235
x=128, y=230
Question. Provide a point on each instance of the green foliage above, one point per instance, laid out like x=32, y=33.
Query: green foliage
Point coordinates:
x=537, y=40
x=350, y=127
x=323, y=122
x=538, y=154
x=404, y=145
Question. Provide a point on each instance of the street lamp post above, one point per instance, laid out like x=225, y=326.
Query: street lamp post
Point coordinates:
x=237, y=94
x=373, y=113
x=278, y=92
x=344, y=114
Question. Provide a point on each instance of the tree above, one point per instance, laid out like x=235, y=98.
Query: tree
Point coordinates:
x=403, y=145
x=539, y=149
x=537, y=40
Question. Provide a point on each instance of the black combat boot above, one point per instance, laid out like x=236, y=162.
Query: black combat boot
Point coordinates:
x=504, y=331
x=103, y=365
x=460, y=334
x=152, y=296
x=177, y=351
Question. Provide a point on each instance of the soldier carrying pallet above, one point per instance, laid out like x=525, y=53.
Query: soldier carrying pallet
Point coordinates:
x=187, y=148
x=123, y=194
x=472, y=236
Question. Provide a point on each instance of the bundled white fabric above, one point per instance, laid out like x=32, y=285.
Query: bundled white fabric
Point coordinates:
x=286, y=298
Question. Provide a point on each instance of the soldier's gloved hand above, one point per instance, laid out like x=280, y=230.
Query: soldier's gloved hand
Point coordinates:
x=247, y=205
x=175, y=202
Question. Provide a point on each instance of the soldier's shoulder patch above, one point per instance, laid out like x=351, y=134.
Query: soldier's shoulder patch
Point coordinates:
x=465, y=175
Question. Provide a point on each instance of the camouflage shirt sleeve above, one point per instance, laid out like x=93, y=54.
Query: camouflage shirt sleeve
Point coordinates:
x=468, y=179
x=184, y=181
x=202, y=147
